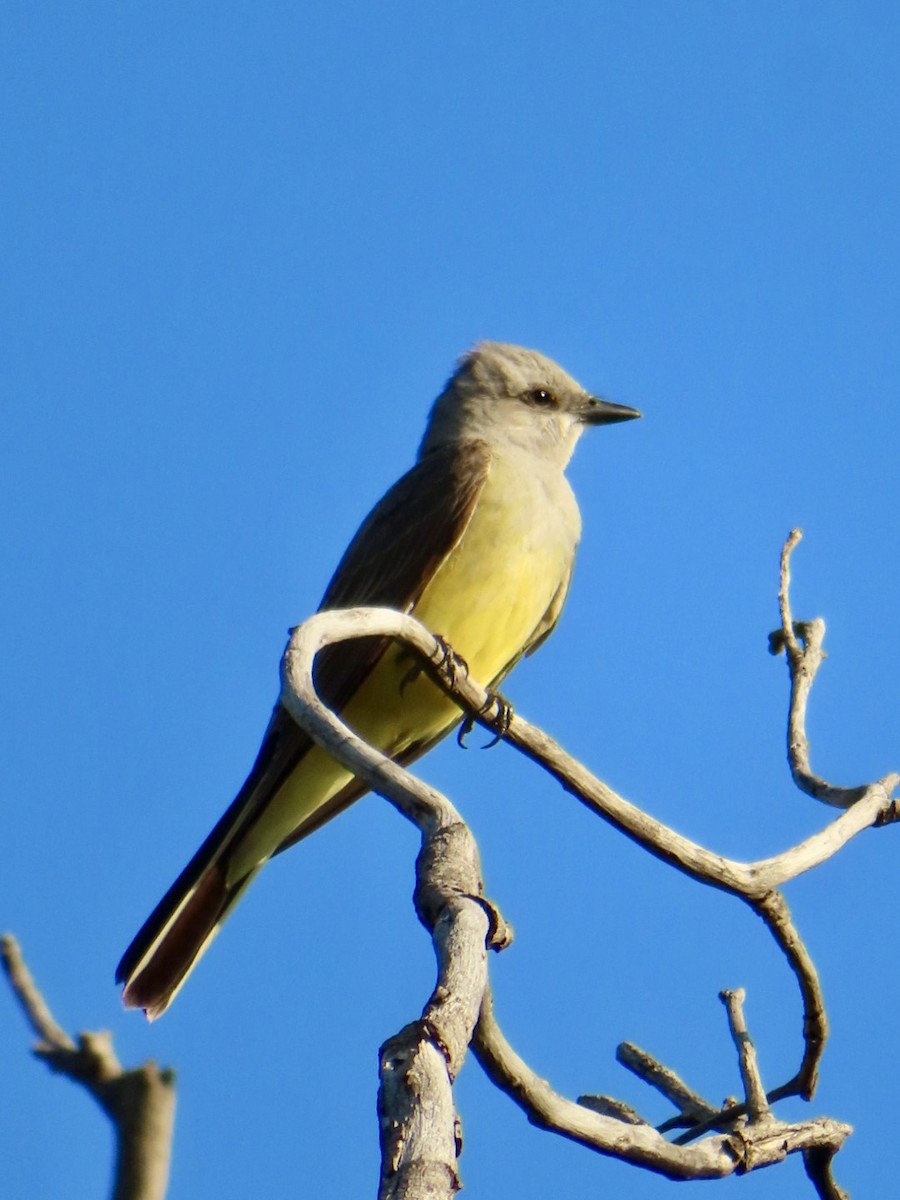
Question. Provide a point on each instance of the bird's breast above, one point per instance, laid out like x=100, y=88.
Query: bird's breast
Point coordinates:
x=494, y=589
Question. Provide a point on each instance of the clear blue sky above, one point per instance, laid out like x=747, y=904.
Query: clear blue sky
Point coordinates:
x=243, y=246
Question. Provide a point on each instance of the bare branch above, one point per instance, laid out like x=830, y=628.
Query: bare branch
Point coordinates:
x=757, y=1104
x=421, y=804
x=32, y=1003
x=753, y=879
x=773, y=909
x=801, y=642
x=784, y=593
x=420, y=1143
x=818, y=1162
x=691, y=1106
x=140, y=1102
x=715, y=1157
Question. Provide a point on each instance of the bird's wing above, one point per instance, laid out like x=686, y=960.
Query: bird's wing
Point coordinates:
x=396, y=553
x=390, y=561
x=354, y=789
x=388, y=564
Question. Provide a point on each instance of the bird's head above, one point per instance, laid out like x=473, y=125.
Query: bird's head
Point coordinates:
x=507, y=395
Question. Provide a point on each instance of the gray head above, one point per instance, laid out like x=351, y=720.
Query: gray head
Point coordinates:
x=507, y=395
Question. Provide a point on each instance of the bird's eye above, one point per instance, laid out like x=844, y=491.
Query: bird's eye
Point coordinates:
x=541, y=398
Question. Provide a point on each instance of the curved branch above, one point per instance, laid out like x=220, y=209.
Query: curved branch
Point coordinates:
x=420, y=1142
x=802, y=644
x=753, y=879
x=773, y=909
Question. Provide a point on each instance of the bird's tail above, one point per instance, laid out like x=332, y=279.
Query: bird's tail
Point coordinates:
x=172, y=939
x=170, y=942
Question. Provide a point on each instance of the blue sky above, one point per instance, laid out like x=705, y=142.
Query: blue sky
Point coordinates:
x=243, y=246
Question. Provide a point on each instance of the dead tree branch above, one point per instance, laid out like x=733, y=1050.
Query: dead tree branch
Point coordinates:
x=750, y=1135
x=140, y=1103
x=747, y=1148
x=801, y=642
x=420, y=1142
x=693, y=1109
x=747, y=880
x=757, y=1103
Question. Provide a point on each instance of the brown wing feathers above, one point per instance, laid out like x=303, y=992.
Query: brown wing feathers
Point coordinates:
x=389, y=562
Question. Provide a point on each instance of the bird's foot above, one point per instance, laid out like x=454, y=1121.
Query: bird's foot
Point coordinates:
x=448, y=664
x=496, y=713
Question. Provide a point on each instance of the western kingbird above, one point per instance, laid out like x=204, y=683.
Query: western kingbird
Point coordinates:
x=478, y=541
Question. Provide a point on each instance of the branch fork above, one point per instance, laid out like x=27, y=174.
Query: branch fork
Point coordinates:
x=140, y=1102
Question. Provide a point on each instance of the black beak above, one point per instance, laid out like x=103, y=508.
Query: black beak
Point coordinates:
x=603, y=412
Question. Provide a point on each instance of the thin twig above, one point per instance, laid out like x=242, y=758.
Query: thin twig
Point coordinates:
x=26, y=991
x=714, y=1157
x=690, y=1104
x=757, y=1104
x=784, y=593
x=139, y=1102
x=818, y=1162
x=802, y=644
x=773, y=909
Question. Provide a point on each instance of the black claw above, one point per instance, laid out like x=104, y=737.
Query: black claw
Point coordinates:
x=500, y=723
x=503, y=719
x=464, y=730
x=452, y=664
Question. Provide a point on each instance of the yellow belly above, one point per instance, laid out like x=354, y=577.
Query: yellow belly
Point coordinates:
x=486, y=599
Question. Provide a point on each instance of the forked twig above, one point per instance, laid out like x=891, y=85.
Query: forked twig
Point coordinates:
x=801, y=642
x=139, y=1102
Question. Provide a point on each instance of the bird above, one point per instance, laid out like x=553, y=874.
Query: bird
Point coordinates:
x=478, y=542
